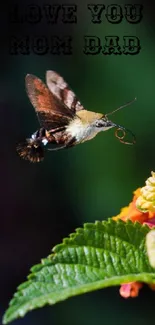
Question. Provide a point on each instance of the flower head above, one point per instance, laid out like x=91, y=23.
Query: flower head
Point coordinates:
x=141, y=209
x=146, y=200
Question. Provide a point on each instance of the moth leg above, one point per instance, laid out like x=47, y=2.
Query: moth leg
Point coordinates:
x=68, y=144
x=71, y=142
x=55, y=149
x=55, y=130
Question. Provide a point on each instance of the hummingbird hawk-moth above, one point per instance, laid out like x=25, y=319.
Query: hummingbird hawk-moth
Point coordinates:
x=64, y=122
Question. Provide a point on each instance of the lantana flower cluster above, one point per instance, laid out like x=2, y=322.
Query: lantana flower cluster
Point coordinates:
x=141, y=209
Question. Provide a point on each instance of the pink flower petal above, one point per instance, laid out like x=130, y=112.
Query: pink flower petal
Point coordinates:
x=130, y=289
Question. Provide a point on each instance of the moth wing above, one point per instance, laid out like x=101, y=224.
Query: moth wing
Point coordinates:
x=51, y=112
x=59, y=87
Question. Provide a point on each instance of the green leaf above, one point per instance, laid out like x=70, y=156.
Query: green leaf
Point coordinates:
x=99, y=255
x=150, y=245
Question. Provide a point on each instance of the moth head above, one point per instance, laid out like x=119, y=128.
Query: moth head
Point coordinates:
x=103, y=124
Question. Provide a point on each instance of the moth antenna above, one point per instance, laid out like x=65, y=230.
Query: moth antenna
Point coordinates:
x=117, y=109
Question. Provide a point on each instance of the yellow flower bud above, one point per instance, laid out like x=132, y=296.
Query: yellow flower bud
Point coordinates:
x=146, y=200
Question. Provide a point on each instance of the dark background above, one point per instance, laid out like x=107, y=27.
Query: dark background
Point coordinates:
x=43, y=203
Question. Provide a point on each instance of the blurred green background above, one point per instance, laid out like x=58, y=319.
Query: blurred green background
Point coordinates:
x=42, y=203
